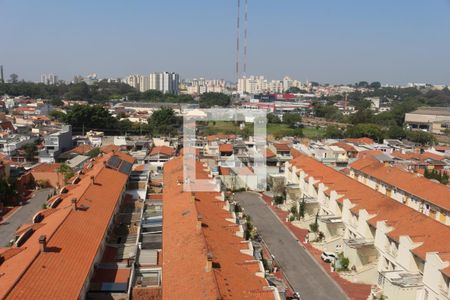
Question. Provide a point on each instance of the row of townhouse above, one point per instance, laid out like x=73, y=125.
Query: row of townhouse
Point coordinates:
x=402, y=253
x=421, y=194
x=204, y=242
x=57, y=255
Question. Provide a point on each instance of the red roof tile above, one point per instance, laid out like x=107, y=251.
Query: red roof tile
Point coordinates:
x=74, y=239
x=404, y=219
x=435, y=193
x=226, y=148
x=186, y=246
x=169, y=151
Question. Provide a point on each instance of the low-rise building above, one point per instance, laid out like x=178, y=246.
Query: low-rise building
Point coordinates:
x=427, y=197
x=403, y=252
x=56, y=143
x=55, y=257
x=431, y=119
x=202, y=242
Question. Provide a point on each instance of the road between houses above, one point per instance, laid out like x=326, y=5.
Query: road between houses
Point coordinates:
x=303, y=272
x=23, y=215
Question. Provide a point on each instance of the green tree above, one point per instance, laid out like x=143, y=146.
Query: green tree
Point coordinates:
x=297, y=132
x=444, y=179
x=421, y=137
x=13, y=78
x=66, y=171
x=333, y=132
x=30, y=151
x=164, y=122
x=302, y=209
x=292, y=119
x=372, y=131
x=94, y=152
x=78, y=91
x=90, y=117
x=329, y=112
x=273, y=118
x=294, y=90
x=396, y=132
x=57, y=115
x=214, y=99
x=8, y=193
x=375, y=85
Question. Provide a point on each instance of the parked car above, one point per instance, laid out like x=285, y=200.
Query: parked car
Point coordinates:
x=328, y=257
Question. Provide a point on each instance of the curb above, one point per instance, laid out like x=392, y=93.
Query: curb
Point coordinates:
x=306, y=250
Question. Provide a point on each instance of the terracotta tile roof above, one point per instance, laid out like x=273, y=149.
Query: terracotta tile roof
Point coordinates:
x=45, y=167
x=147, y=293
x=109, y=148
x=435, y=193
x=345, y=146
x=416, y=156
x=442, y=148
x=155, y=196
x=446, y=271
x=403, y=219
x=270, y=154
x=295, y=152
x=74, y=238
x=281, y=147
x=186, y=246
x=224, y=171
x=169, y=151
x=363, y=140
x=82, y=149
x=226, y=148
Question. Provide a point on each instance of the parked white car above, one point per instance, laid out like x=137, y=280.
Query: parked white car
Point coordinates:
x=328, y=257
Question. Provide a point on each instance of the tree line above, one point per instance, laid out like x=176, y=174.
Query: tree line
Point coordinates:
x=95, y=117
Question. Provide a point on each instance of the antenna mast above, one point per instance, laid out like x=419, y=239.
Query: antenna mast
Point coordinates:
x=237, y=38
x=245, y=36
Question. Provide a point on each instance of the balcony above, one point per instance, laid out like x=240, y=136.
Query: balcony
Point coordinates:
x=444, y=290
x=403, y=278
x=357, y=243
x=330, y=219
x=391, y=250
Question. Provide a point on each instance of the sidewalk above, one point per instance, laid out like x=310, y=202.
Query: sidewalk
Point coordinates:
x=355, y=291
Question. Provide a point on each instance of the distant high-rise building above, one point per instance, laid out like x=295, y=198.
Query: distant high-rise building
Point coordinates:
x=154, y=79
x=134, y=81
x=49, y=79
x=144, y=83
x=165, y=82
x=2, y=79
x=169, y=83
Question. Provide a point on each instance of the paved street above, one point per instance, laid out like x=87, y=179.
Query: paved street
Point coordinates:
x=23, y=215
x=302, y=271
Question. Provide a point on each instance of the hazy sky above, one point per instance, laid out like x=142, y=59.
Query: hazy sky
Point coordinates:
x=393, y=41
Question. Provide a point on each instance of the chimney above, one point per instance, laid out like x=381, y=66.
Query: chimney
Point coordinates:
x=43, y=243
x=199, y=222
x=209, y=261
x=74, y=203
x=92, y=179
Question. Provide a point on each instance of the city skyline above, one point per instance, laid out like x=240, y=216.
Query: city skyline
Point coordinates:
x=326, y=42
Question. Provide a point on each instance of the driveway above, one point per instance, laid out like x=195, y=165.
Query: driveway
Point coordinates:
x=23, y=215
x=303, y=272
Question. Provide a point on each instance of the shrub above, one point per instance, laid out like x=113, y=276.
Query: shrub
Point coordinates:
x=314, y=227
x=278, y=200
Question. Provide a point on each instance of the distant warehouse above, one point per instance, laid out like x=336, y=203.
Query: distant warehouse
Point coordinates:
x=432, y=119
